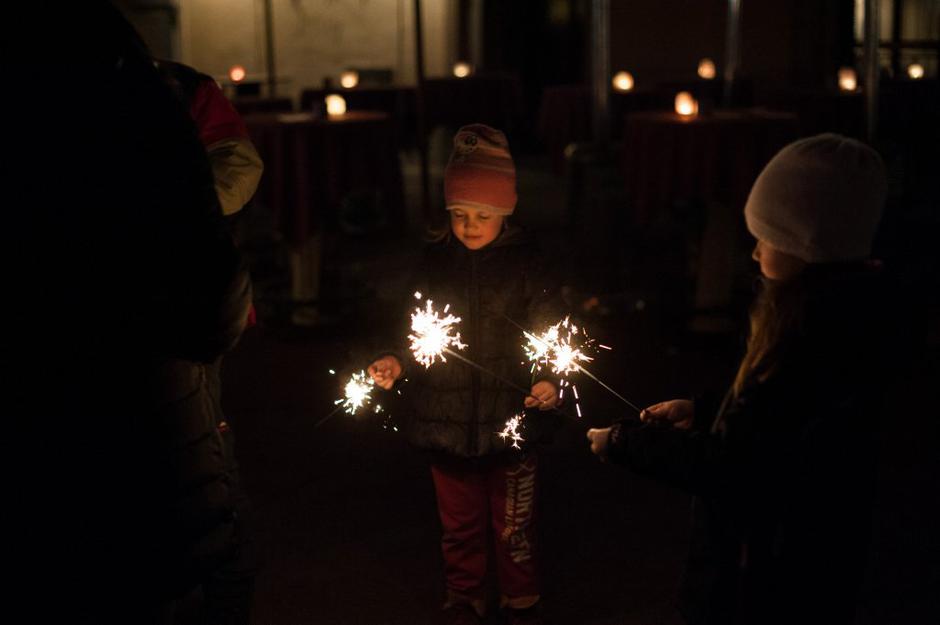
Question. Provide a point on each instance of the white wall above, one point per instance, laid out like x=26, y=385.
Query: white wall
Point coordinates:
x=316, y=38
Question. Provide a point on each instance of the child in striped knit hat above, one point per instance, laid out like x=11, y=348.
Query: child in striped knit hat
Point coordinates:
x=491, y=275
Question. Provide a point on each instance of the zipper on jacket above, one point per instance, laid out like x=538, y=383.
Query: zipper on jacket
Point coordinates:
x=473, y=430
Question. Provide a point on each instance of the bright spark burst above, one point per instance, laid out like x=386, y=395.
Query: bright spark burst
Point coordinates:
x=432, y=333
x=511, y=430
x=358, y=393
x=560, y=349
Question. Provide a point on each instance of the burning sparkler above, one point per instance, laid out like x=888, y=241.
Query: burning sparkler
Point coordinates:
x=358, y=393
x=511, y=430
x=561, y=349
x=433, y=334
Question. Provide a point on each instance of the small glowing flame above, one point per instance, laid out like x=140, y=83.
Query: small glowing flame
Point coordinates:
x=335, y=105
x=349, y=79
x=848, y=80
x=915, y=71
x=511, y=431
x=432, y=334
x=561, y=349
x=623, y=81
x=706, y=69
x=686, y=105
x=358, y=393
x=237, y=73
x=462, y=69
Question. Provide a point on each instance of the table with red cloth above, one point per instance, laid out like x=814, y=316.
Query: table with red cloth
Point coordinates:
x=397, y=102
x=249, y=105
x=311, y=165
x=565, y=115
x=713, y=159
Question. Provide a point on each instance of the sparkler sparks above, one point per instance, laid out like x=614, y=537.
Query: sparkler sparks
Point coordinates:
x=511, y=430
x=358, y=393
x=561, y=349
x=433, y=334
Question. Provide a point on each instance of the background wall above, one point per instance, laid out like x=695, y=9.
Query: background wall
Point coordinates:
x=316, y=38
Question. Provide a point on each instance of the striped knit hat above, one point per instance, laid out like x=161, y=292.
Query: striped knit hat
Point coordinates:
x=480, y=173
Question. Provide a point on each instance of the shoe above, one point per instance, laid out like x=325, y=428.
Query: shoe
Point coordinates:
x=460, y=614
x=524, y=616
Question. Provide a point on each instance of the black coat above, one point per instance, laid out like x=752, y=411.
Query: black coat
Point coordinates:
x=453, y=407
x=127, y=285
x=782, y=474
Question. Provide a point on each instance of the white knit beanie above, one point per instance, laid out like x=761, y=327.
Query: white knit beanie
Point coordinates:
x=819, y=199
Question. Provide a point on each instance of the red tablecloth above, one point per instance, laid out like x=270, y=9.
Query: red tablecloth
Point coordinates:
x=397, y=102
x=714, y=157
x=311, y=164
x=248, y=105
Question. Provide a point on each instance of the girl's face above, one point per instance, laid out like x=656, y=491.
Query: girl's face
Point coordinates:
x=475, y=227
x=775, y=264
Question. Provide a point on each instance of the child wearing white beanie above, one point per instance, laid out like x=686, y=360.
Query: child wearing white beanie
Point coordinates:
x=781, y=467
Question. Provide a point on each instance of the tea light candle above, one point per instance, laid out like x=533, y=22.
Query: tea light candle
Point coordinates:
x=237, y=73
x=335, y=105
x=462, y=69
x=706, y=69
x=686, y=105
x=349, y=79
x=623, y=81
x=848, y=81
x=915, y=71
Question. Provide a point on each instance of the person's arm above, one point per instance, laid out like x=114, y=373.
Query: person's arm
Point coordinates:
x=759, y=429
x=236, y=165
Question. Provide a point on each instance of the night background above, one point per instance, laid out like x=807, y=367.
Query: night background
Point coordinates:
x=639, y=208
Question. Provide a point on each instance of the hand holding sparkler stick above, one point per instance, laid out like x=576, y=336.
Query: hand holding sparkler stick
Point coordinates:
x=385, y=371
x=561, y=349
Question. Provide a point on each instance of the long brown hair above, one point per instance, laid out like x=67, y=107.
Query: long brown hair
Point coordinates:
x=776, y=319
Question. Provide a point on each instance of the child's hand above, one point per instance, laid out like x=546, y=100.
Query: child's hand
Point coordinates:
x=600, y=439
x=543, y=394
x=385, y=371
x=678, y=412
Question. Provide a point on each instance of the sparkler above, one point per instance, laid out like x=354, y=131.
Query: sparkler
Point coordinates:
x=357, y=394
x=511, y=431
x=561, y=349
x=432, y=334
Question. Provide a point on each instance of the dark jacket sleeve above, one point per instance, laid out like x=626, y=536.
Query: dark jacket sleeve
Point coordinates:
x=749, y=442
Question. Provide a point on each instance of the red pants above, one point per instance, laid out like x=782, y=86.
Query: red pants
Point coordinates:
x=471, y=499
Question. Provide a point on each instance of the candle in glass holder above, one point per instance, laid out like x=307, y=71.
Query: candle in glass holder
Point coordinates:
x=848, y=81
x=335, y=105
x=915, y=71
x=349, y=79
x=706, y=69
x=237, y=73
x=623, y=81
x=686, y=105
x=462, y=69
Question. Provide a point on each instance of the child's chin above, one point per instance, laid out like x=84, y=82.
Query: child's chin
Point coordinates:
x=472, y=244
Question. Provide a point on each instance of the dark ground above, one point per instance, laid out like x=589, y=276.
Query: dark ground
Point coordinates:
x=346, y=516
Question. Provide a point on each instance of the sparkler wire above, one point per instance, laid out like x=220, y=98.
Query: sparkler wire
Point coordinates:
x=589, y=374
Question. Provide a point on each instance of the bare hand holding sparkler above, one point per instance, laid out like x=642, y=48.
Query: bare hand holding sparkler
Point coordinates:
x=385, y=371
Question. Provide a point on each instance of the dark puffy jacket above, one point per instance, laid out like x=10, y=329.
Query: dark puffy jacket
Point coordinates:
x=455, y=408
x=128, y=285
x=782, y=474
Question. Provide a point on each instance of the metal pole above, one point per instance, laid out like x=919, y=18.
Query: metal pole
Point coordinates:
x=269, y=47
x=600, y=64
x=732, y=50
x=421, y=122
x=872, y=35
